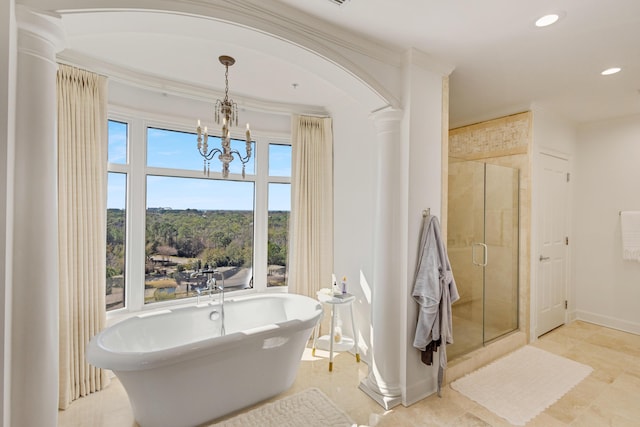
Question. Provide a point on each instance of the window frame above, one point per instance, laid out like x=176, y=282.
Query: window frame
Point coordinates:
x=136, y=171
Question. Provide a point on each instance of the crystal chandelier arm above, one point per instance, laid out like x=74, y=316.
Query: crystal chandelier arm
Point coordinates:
x=244, y=159
x=211, y=153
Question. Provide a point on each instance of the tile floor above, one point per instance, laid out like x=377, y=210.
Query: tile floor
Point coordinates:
x=610, y=396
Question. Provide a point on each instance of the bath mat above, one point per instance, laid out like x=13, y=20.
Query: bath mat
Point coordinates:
x=309, y=408
x=522, y=384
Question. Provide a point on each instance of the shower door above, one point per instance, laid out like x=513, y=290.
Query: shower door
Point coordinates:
x=482, y=241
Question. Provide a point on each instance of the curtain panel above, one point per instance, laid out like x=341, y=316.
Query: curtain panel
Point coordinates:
x=82, y=176
x=311, y=241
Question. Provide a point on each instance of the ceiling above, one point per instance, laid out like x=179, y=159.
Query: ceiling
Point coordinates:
x=502, y=63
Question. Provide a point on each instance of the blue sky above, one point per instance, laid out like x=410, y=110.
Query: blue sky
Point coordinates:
x=170, y=149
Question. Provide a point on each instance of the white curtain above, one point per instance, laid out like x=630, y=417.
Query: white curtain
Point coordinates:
x=311, y=242
x=82, y=161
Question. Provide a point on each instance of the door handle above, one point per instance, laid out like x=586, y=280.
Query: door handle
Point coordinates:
x=485, y=257
x=544, y=258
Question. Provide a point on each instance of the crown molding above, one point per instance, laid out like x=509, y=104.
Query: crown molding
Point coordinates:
x=180, y=88
x=345, y=49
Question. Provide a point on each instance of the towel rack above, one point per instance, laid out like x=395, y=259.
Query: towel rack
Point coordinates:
x=426, y=212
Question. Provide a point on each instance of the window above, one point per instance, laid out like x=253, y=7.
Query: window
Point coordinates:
x=193, y=224
x=116, y=215
x=177, y=150
x=279, y=209
x=117, y=151
x=278, y=230
x=182, y=221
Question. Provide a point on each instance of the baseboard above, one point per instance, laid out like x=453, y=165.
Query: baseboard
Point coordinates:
x=609, y=322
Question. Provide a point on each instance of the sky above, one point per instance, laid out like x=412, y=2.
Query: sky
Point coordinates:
x=177, y=150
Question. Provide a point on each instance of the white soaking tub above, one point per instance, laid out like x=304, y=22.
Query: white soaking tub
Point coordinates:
x=179, y=371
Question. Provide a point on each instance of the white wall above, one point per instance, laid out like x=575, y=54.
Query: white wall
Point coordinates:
x=354, y=203
x=7, y=141
x=607, y=177
x=422, y=189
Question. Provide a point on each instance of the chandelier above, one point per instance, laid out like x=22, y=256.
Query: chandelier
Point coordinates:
x=226, y=109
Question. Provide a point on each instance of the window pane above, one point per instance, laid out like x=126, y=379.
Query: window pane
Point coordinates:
x=116, y=233
x=178, y=150
x=279, y=160
x=117, y=142
x=192, y=224
x=278, y=230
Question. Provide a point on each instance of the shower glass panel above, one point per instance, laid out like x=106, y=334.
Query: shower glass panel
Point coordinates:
x=483, y=249
x=464, y=230
x=501, y=238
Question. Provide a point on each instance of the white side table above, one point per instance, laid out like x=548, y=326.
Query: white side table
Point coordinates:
x=345, y=343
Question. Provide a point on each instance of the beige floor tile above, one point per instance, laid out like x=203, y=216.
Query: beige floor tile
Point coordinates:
x=468, y=420
x=594, y=417
x=568, y=408
x=557, y=343
x=545, y=420
x=609, y=396
x=621, y=400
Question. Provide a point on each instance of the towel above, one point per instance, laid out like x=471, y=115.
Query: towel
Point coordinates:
x=630, y=224
x=434, y=289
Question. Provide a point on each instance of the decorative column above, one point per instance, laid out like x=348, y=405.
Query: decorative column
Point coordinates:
x=34, y=382
x=383, y=382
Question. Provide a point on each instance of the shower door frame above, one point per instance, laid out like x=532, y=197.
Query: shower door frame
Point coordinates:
x=481, y=258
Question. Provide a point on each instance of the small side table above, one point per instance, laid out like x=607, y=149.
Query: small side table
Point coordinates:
x=346, y=343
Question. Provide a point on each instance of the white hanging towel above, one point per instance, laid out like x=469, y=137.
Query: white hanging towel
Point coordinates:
x=630, y=224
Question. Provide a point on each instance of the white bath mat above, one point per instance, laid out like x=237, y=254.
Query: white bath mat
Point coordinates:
x=309, y=408
x=522, y=384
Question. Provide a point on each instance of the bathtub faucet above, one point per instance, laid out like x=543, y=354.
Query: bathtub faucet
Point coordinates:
x=212, y=285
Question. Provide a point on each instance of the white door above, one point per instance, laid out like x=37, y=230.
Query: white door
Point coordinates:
x=553, y=243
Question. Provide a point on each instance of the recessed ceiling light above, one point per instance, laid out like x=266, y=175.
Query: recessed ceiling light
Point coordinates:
x=610, y=71
x=547, y=20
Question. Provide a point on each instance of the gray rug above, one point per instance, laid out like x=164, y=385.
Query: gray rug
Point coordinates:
x=309, y=408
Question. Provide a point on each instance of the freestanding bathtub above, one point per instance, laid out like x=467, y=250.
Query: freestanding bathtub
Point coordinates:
x=179, y=371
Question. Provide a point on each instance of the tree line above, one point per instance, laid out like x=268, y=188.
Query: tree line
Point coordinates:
x=217, y=238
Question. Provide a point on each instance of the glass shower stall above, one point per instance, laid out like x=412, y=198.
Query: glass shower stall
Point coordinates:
x=482, y=243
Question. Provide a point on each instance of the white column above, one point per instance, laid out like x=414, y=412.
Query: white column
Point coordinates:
x=34, y=396
x=383, y=382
